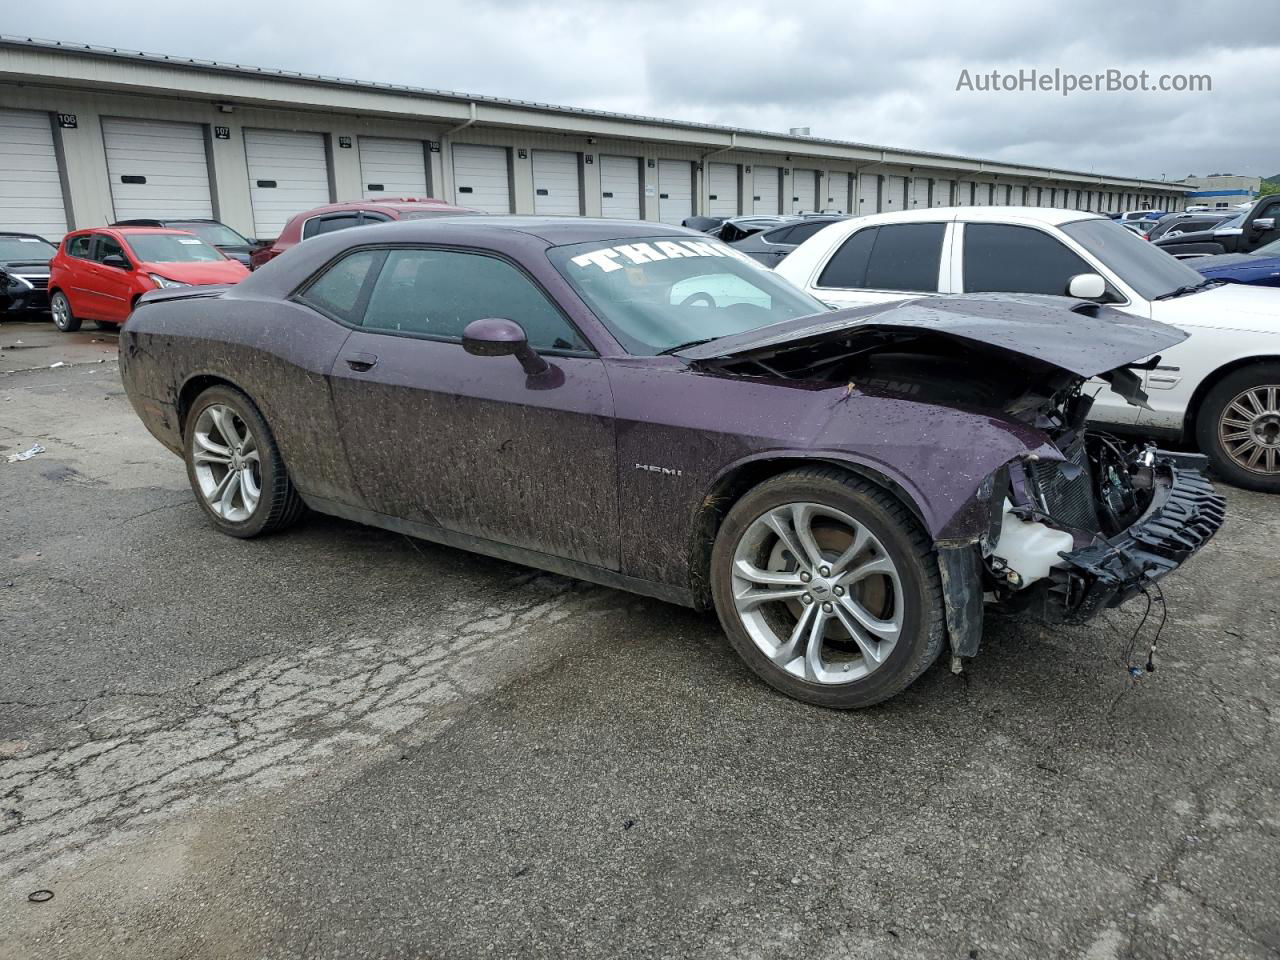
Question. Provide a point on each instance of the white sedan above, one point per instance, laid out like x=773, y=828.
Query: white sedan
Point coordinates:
x=1220, y=388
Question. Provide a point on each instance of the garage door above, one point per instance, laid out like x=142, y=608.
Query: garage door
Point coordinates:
x=919, y=192
x=895, y=193
x=722, y=189
x=942, y=193
x=620, y=187
x=481, y=177
x=675, y=191
x=30, y=188
x=393, y=168
x=157, y=168
x=288, y=174
x=982, y=194
x=764, y=183
x=868, y=193
x=557, y=184
x=837, y=192
x=804, y=191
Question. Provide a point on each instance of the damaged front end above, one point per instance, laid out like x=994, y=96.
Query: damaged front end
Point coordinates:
x=1063, y=530
x=1074, y=537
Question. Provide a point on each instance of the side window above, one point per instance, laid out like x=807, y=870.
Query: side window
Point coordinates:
x=999, y=258
x=906, y=257
x=79, y=246
x=337, y=290
x=779, y=236
x=848, y=268
x=803, y=232
x=371, y=216
x=107, y=247
x=438, y=292
x=337, y=221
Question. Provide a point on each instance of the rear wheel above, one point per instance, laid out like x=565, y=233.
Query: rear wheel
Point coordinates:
x=63, y=318
x=1238, y=427
x=235, y=467
x=828, y=588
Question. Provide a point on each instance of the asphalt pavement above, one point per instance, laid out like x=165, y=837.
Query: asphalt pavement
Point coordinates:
x=343, y=743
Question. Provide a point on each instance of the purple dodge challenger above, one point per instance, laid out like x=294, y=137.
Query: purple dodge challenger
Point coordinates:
x=646, y=408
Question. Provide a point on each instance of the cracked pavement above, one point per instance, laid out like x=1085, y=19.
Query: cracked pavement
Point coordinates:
x=342, y=743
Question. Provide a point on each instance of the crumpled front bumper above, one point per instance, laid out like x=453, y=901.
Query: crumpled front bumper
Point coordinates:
x=1183, y=516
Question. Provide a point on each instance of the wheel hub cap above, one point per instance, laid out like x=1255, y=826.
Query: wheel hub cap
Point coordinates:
x=817, y=593
x=1249, y=430
x=225, y=460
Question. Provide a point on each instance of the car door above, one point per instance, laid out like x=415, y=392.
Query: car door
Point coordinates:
x=78, y=283
x=1013, y=258
x=1257, y=233
x=471, y=444
x=112, y=285
x=884, y=263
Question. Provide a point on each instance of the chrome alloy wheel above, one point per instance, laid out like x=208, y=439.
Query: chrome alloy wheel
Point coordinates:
x=1250, y=429
x=61, y=311
x=226, y=461
x=818, y=593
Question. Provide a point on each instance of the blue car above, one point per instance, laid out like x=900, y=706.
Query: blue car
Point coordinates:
x=1260, y=268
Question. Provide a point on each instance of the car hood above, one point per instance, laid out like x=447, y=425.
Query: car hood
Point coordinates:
x=26, y=266
x=214, y=271
x=1227, y=260
x=1076, y=336
x=1235, y=264
x=1227, y=306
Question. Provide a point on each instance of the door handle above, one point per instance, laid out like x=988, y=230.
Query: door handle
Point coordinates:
x=361, y=362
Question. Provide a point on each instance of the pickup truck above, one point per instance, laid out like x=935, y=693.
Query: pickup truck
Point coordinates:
x=1253, y=228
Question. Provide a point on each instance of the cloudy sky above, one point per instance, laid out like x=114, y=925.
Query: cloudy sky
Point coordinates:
x=880, y=72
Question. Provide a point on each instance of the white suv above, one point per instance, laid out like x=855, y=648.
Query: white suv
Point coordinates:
x=1220, y=387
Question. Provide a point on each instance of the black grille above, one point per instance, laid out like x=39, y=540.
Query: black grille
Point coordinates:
x=1066, y=489
x=39, y=283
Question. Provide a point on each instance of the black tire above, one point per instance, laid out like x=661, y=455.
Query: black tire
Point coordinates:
x=923, y=625
x=279, y=505
x=60, y=309
x=106, y=325
x=1210, y=419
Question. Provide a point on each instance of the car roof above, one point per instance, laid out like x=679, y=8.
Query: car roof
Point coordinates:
x=384, y=203
x=1052, y=216
x=160, y=221
x=20, y=233
x=557, y=231
x=131, y=231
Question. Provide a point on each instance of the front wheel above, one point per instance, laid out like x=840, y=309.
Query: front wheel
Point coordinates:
x=1238, y=427
x=235, y=467
x=63, y=318
x=827, y=587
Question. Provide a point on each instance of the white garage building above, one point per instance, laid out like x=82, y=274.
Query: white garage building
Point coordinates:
x=89, y=135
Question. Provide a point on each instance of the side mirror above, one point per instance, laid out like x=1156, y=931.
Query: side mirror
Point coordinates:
x=1263, y=224
x=498, y=337
x=1086, y=286
x=117, y=261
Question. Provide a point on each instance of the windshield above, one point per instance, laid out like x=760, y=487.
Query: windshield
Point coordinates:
x=219, y=234
x=1150, y=271
x=1271, y=249
x=25, y=248
x=659, y=294
x=172, y=248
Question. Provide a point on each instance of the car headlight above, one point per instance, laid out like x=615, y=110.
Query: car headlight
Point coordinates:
x=164, y=282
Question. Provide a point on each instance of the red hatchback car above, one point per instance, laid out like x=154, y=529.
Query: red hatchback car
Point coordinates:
x=352, y=213
x=99, y=274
